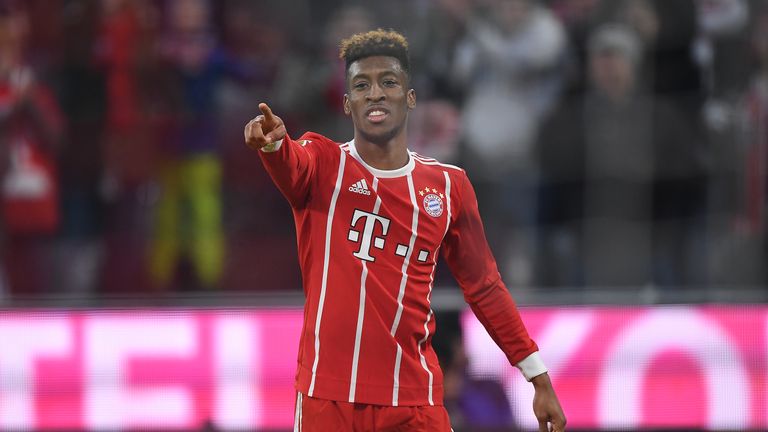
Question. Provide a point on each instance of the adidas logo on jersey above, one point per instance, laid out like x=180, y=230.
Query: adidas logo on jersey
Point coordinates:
x=360, y=187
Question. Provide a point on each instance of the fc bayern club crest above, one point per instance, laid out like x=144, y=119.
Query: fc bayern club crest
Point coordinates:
x=433, y=204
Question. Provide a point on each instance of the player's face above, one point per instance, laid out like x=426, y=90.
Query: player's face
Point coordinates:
x=378, y=98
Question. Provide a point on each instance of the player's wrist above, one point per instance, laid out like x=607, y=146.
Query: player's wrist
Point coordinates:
x=541, y=381
x=273, y=146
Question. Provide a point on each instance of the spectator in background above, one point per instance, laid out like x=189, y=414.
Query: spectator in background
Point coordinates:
x=31, y=129
x=253, y=210
x=750, y=224
x=756, y=104
x=434, y=40
x=324, y=74
x=187, y=223
x=508, y=61
x=722, y=53
x=474, y=403
x=668, y=30
x=81, y=91
x=435, y=123
x=722, y=48
x=127, y=54
x=619, y=174
x=579, y=18
x=128, y=42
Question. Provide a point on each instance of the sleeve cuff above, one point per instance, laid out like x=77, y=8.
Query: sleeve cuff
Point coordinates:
x=272, y=147
x=531, y=366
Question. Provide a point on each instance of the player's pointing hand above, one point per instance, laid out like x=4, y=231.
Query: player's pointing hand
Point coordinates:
x=264, y=129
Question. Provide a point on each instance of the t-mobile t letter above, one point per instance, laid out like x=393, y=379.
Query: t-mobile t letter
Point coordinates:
x=22, y=341
x=365, y=243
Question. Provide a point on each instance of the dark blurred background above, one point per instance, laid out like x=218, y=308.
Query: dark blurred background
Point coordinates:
x=618, y=148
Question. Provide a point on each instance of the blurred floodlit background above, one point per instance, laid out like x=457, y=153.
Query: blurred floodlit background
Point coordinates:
x=619, y=150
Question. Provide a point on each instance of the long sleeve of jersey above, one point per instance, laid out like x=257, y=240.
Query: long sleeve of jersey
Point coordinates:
x=292, y=165
x=467, y=254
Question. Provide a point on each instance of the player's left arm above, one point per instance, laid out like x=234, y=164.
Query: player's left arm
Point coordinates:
x=469, y=257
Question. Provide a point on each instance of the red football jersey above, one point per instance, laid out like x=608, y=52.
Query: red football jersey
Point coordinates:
x=368, y=243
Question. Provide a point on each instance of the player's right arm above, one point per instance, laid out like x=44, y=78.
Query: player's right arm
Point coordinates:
x=290, y=164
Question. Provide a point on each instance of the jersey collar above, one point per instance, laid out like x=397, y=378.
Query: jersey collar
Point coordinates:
x=404, y=170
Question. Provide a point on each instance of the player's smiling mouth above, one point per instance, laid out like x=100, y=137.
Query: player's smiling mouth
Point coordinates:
x=376, y=114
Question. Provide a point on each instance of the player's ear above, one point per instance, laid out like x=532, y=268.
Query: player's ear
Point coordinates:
x=347, y=110
x=411, y=99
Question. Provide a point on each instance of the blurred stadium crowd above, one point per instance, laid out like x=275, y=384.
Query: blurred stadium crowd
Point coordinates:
x=612, y=143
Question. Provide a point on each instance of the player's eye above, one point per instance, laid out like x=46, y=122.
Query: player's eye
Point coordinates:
x=362, y=85
x=390, y=83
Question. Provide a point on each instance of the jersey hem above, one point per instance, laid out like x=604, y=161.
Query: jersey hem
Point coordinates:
x=338, y=390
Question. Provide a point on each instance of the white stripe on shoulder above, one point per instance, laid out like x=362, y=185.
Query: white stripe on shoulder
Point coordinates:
x=442, y=165
x=424, y=158
x=436, y=163
x=447, y=201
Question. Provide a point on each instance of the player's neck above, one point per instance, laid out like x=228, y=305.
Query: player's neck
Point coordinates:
x=389, y=156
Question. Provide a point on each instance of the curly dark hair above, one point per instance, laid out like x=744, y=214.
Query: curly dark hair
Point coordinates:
x=375, y=43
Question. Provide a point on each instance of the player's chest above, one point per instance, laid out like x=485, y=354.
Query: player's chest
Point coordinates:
x=390, y=214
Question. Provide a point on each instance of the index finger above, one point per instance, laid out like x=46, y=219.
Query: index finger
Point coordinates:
x=267, y=111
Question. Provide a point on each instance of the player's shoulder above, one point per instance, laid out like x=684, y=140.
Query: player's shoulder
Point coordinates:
x=314, y=138
x=434, y=168
x=432, y=163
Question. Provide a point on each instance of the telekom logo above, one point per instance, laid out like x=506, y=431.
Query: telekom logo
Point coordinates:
x=627, y=368
x=614, y=368
x=368, y=238
x=162, y=370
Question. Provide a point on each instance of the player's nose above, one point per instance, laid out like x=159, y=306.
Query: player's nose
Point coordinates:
x=376, y=93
